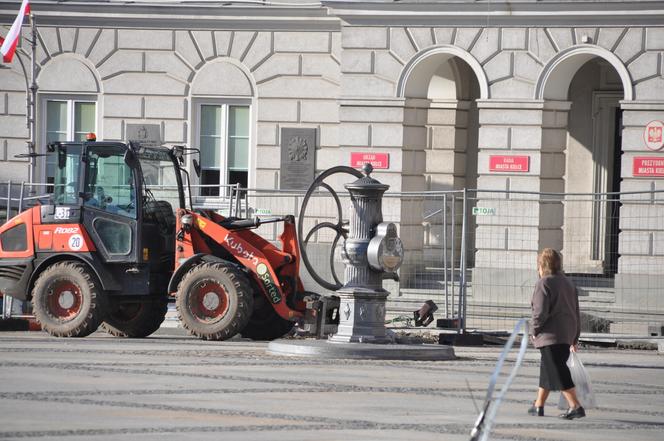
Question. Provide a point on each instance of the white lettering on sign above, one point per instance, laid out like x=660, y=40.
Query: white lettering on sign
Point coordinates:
x=65, y=230
x=483, y=211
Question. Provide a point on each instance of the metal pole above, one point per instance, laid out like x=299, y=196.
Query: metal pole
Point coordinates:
x=462, y=281
x=32, y=110
x=447, y=313
x=9, y=200
x=20, y=198
x=453, y=248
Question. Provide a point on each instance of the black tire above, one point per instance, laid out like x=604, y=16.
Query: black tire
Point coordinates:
x=68, y=301
x=214, y=301
x=136, y=319
x=265, y=323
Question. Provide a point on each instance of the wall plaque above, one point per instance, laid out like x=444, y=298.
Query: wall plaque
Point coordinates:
x=653, y=135
x=148, y=135
x=377, y=160
x=509, y=163
x=648, y=166
x=298, y=153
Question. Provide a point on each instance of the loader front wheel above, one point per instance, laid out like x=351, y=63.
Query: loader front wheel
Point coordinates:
x=265, y=323
x=214, y=301
x=135, y=319
x=68, y=301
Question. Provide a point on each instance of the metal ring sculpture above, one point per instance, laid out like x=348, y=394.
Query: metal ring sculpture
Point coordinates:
x=303, y=240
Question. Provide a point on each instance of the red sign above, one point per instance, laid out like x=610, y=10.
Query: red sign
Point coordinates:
x=502, y=163
x=653, y=135
x=648, y=166
x=377, y=160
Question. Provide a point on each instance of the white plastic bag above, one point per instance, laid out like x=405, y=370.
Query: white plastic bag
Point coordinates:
x=584, y=388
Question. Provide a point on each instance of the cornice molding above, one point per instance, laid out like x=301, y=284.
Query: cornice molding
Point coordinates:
x=498, y=14
x=176, y=16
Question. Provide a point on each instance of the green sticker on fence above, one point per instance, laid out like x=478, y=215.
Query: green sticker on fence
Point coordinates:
x=484, y=211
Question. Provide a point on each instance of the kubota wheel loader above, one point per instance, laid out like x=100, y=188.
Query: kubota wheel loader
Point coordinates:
x=116, y=240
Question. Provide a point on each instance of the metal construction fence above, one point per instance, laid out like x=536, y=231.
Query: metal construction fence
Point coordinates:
x=473, y=252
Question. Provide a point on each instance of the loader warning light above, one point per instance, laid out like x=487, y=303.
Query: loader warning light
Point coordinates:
x=91, y=137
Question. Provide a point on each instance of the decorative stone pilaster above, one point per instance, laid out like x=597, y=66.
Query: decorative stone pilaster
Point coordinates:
x=507, y=241
x=638, y=284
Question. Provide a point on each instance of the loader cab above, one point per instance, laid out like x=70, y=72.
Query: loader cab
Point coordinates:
x=125, y=196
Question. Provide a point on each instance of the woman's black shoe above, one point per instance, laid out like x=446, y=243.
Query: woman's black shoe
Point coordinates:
x=579, y=412
x=536, y=411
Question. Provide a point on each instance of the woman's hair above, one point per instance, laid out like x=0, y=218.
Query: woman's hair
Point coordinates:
x=550, y=261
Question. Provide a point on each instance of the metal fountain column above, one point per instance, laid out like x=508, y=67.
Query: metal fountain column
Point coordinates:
x=362, y=297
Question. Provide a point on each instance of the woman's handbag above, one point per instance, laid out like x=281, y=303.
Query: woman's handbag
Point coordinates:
x=584, y=388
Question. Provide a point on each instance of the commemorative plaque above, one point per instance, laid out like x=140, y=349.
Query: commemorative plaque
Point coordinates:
x=148, y=135
x=298, y=153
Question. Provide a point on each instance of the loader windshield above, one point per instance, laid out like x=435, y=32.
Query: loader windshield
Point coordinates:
x=160, y=179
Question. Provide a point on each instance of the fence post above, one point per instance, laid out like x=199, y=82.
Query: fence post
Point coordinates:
x=9, y=199
x=462, y=265
x=447, y=311
x=453, y=249
x=20, y=199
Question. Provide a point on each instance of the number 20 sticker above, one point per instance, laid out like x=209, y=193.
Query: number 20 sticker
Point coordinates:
x=75, y=242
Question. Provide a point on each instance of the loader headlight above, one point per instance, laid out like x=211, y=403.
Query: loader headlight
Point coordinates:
x=187, y=221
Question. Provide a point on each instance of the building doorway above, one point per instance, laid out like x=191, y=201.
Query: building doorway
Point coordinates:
x=593, y=158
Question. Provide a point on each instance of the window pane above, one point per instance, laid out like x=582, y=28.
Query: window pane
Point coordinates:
x=210, y=152
x=238, y=121
x=109, y=182
x=84, y=120
x=56, y=130
x=211, y=120
x=210, y=142
x=56, y=121
x=238, y=154
x=210, y=177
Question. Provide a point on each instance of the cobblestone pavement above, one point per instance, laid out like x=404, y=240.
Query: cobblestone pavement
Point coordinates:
x=172, y=387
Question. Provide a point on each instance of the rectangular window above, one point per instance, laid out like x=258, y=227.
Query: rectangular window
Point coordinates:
x=224, y=144
x=67, y=120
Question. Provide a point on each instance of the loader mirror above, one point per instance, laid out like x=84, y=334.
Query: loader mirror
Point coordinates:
x=130, y=158
x=197, y=167
x=62, y=158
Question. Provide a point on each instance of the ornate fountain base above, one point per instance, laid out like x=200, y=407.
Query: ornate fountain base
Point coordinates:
x=326, y=349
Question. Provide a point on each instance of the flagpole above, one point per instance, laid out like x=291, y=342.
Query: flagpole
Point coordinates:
x=32, y=108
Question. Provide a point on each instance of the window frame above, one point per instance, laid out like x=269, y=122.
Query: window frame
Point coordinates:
x=225, y=104
x=71, y=100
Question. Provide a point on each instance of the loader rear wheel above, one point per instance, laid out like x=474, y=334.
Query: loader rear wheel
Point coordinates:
x=214, y=301
x=135, y=319
x=68, y=301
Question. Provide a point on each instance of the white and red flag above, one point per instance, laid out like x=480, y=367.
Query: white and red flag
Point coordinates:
x=8, y=44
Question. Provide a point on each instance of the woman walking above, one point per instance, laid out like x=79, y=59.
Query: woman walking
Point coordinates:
x=556, y=326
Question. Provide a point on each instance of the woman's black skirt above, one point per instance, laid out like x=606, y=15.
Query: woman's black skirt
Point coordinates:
x=554, y=373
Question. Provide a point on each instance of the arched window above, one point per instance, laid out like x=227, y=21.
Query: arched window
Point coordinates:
x=68, y=104
x=221, y=102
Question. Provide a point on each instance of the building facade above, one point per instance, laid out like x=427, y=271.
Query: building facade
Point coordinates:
x=529, y=96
